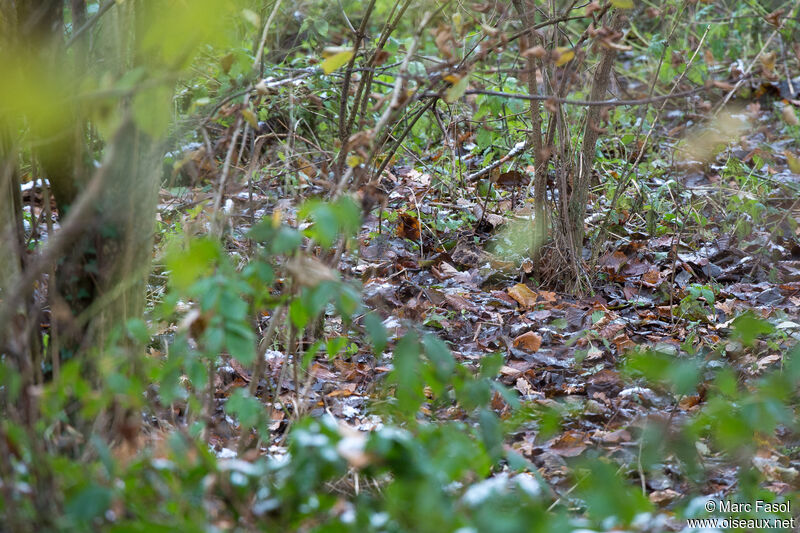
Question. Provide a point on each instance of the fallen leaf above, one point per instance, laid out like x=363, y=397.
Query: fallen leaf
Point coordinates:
x=663, y=497
x=409, y=227
x=687, y=402
x=524, y=387
x=530, y=342
x=789, y=116
x=613, y=262
x=523, y=295
x=651, y=278
x=569, y=444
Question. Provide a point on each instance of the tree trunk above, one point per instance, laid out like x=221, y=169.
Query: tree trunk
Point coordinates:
x=99, y=280
x=541, y=155
x=580, y=190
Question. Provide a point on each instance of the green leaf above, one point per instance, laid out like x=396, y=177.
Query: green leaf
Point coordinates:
x=747, y=327
x=406, y=375
x=298, y=314
x=90, y=502
x=244, y=407
x=490, y=364
x=186, y=266
x=137, y=330
x=152, y=110
x=622, y=4
x=439, y=354
x=457, y=90
x=490, y=433
x=336, y=61
x=240, y=342
x=286, y=240
x=377, y=333
x=335, y=345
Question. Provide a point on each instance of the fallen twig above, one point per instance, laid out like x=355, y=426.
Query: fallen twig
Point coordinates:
x=518, y=149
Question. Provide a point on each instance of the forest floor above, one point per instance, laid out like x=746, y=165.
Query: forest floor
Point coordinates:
x=670, y=280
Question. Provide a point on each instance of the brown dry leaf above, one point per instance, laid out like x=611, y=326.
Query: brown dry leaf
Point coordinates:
x=623, y=343
x=569, y=444
x=768, y=361
x=310, y=271
x=381, y=57
x=768, y=62
x=443, y=40
x=524, y=387
x=592, y=7
x=789, y=116
x=306, y=167
x=594, y=353
x=687, y=402
x=409, y=227
x=651, y=278
x=506, y=370
x=523, y=295
x=773, y=470
x=664, y=497
x=241, y=372
x=512, y=178
x=536, y=51
x=609, y=329
x=459, y=303
x=774, y=18
x=320, y=372
x=530, y=342
x=613, y=262
x=724, y=85
x=614, y=437
x=547, y=296
x=340, y=393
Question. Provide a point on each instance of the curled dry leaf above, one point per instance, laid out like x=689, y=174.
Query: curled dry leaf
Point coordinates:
x=536, y=51
x=774, y=18
x=524, y=387
x=443, y=39
x=592, y=7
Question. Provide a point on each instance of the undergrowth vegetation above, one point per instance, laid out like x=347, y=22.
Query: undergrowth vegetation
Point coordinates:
x=398, y=266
